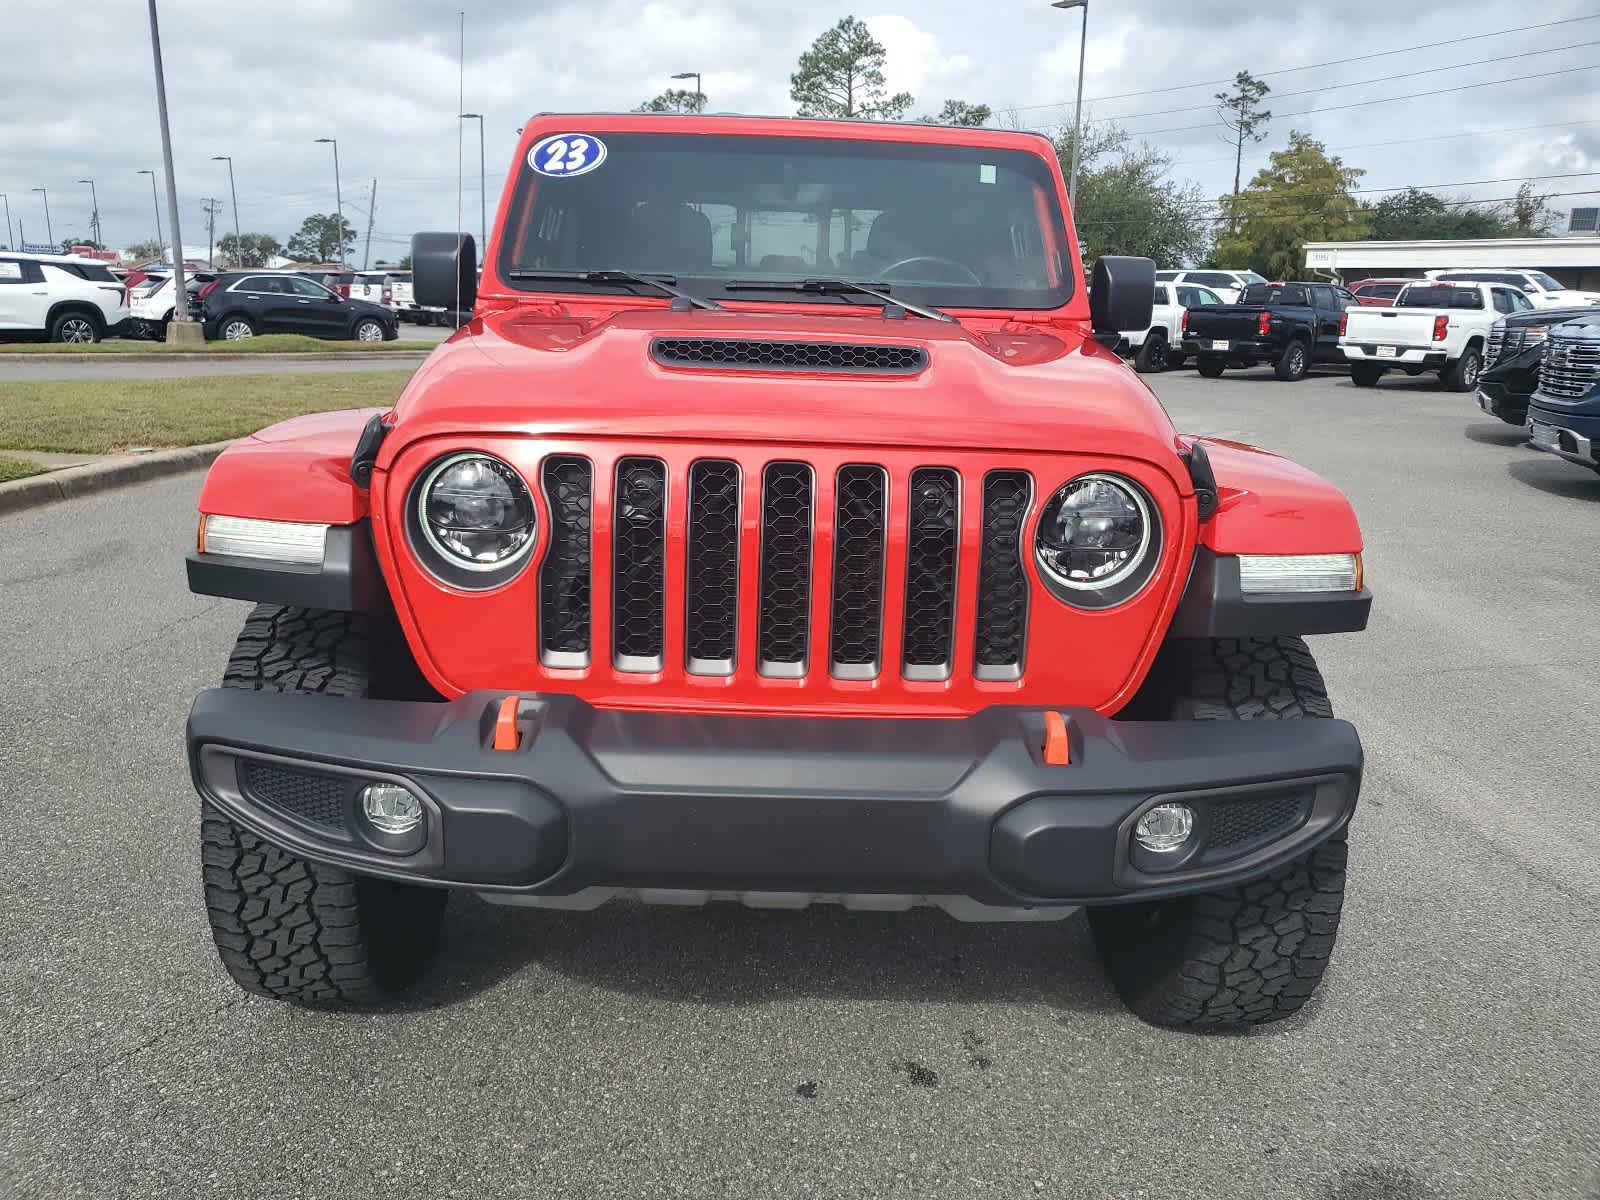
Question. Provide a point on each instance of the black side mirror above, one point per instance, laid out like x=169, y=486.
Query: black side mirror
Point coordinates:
x=1121, y=295
x=444, y=270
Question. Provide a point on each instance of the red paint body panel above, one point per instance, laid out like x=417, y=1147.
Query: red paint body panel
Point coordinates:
x=1270, y=505
x=296, y=470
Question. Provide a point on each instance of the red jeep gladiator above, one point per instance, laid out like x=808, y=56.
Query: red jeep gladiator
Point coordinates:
x=780, y=529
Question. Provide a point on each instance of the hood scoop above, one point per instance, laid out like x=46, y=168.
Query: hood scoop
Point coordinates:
x=764, y=354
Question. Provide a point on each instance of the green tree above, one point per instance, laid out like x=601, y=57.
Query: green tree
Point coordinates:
x=146, y=251
x=842, y=76
x=1414, y=215
x=675, y=100
x=1241, y=112
x=322, y=237
x=959, y=112
x=1530, y=214
x=68, y=243
x=1127, y=204
x=1303, y=196
x=249, y=249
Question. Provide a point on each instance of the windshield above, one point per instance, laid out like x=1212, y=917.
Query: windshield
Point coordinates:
x=1548, y=283
x=943, y=225
x=1252, y=277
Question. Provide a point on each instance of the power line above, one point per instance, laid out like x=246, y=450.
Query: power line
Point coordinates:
x=1334, y=62
x=1437, y=137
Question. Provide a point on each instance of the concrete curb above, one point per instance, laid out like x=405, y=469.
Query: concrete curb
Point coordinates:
x=120, y=359
x=71, y=482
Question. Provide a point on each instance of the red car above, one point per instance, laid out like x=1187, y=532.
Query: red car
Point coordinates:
x=1378, y=293
x=770, y=534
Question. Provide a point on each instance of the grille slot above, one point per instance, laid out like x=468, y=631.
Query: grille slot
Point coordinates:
x=784, y=632
x=639, y=564
x=564, y=579
x=1002, y=619
x=1569, y=367
x=1497, y=345
x=932, y=528
x=1236, y=825
x=859, y=524
x=711, y=607
x=765, y=355
x=316, y=799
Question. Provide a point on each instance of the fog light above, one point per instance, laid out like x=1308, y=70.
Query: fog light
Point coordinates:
x=1165, y=828
x=391, y=808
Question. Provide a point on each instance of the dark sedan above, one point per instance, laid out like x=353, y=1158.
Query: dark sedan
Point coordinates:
x=241, y=304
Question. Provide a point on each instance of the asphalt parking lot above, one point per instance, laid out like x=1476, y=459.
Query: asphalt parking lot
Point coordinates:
x=1452, y=1052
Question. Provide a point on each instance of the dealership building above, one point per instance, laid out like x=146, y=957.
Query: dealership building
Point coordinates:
x=1575, y=261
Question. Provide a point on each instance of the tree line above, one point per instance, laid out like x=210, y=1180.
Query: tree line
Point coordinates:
x=321, y=238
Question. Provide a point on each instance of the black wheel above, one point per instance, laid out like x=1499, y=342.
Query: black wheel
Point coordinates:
x=368, y=329
x=1152, y=356
x=1293, y=363
x=76, y=327
x=284, y=927
x=1211, y=366
x=1252, y=953
x=235, y=328
x=1365, y=374
x=1462, y=375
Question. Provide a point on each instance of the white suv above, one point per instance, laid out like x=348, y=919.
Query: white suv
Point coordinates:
x=1542, y=290
x=1226, y=284
x=67, y=299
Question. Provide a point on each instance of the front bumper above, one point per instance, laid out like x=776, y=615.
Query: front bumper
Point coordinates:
x=1573, y=437
x=812, y=807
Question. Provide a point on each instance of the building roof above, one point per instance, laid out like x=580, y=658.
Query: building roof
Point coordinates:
x=1545, y=254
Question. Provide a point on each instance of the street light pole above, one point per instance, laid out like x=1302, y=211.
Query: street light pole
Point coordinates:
x=699, y=95
x=155, y=198
x=338, y=197
x=94, y=217
x=10, y=245
x=181, y=329
x=1077, y=119
x=238, y=240
x=49, y=232
x=483, y=210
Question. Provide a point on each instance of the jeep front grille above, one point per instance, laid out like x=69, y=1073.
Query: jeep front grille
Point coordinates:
x=1570, y=366
x=823, y=571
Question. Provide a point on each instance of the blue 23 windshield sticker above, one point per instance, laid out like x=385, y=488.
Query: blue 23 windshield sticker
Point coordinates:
x=562, y=155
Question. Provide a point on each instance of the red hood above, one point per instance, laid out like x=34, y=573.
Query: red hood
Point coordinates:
x=1010, y=386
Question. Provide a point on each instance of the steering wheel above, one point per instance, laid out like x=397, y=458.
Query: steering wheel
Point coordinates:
x=971, y=276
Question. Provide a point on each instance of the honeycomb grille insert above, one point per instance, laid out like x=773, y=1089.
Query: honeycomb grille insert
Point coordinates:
x=932, y=528
x=1238, y=825
x=762, y=355
x=315, y=799
x=860, y=519
x=564, y=600
x=711, y=608
x=783, y=636
x=1002, y=618
x=639, y=564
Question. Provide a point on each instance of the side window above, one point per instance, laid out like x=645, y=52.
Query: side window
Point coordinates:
x=1502, y=300
x=11, y=271
x=1342, y=299
x=1292, y=295
x=1204, y=296
x=1520, y=303
x=305, y=287
x=1322, y=297
x=1213, y=279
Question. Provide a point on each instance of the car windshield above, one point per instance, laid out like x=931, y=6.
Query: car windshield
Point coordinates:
x=1548, y=283
x=715, y=210
x=1252, y=277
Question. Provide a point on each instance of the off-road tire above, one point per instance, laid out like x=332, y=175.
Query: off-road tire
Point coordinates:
x=285, y=927
x=1462, y=375
x=1364, y=374
x=1294, y=362
x=1152, y=356
x=1211, y=366
x=1252, y=953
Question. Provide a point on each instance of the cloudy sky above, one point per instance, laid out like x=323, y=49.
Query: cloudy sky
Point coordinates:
x=262, y=80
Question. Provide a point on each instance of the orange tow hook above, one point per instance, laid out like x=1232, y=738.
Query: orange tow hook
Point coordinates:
x=505, y=724
x=1057, y=746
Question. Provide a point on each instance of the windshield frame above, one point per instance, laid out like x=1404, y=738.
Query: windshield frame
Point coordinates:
x=1030, y=155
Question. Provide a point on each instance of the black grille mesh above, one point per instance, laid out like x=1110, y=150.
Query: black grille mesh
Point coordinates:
x=1235, y=823
x=859, y=520
x=785, y=564
x=639, y=580
x=932, y=526
x=1002, y=583
x=319, y=799
x=564, y=578
x=711, y=608
x=790, y=356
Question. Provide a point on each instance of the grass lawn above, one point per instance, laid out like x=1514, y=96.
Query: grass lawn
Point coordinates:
x=267, y=343
x=104, y=416
x=17, y=468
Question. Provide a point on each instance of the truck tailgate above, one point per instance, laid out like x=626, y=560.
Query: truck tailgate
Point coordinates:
x=1391, y=326
x=1229, y=322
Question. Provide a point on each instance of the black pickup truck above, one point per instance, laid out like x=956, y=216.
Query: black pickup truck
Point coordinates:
x=1290, y=325
x=1511, y=362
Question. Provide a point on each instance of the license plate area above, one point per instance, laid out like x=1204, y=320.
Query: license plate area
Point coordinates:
x=1388, y=351
x=1546, y=437
x=1219, y=343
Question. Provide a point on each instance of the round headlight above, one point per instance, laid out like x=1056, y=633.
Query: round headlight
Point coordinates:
x=1095, y=536
x=475, y=513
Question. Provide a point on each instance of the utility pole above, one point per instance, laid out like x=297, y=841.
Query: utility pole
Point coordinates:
x=1077, y=119
x=238, y=240
x=338, y=198
x=181, y=329
x=94, y=217
x=372, y=208
x=211, y=205
x=10, y=245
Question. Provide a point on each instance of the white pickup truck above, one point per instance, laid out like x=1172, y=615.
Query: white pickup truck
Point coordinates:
x=1432, y=326
x=1160, y=346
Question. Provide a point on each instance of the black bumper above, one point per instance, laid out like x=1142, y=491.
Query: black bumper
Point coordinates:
x=597, y=798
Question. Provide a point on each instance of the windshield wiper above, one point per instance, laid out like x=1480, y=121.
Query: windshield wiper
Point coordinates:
x=665, y=284
x=838, y=287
